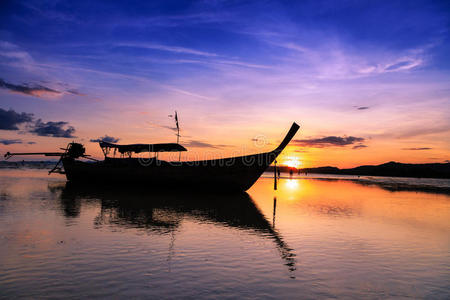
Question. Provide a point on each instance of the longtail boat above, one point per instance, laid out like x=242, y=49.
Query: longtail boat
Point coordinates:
x=231, y=174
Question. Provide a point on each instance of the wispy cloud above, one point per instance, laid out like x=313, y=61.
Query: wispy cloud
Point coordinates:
x=10, y=142
x=334, y=59
x=403, y=65
x=200, y=144
x=417, y=149
x=13, y=54
x=360, y=146
x=77, y=93
x=36, y=90
x=173, y=49
x=329, y=141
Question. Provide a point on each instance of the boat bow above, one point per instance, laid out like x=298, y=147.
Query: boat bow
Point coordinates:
x=291, y=133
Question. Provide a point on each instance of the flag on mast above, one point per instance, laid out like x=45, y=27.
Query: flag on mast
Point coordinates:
x=176, y=120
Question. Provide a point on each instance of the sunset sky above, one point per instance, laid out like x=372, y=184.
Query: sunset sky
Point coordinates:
x=368, y=81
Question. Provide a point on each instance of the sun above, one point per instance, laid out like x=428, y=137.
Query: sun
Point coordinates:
x=292, y=162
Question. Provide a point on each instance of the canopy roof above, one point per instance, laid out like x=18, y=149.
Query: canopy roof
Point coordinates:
x=138, y=148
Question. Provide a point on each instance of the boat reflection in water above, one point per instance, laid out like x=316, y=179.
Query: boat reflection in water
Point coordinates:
x=161, y=213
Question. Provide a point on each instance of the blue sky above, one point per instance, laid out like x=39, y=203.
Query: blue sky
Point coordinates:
x=377, y=70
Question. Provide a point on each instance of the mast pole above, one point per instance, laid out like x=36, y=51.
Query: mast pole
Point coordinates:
x=178, y=133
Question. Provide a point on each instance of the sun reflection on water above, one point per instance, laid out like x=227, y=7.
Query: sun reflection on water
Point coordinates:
x=292, y=184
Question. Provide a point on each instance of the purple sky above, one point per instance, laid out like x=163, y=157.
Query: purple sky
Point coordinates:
x=368, y=80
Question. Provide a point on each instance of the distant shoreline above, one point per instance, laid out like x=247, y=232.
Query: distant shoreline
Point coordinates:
x=390, y=169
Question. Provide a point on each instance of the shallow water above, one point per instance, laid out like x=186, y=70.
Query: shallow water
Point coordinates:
x=318, y=239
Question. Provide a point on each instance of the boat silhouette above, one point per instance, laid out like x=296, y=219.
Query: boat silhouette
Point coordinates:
x=235, y=173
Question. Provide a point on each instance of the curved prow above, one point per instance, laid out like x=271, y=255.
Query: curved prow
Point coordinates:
x=287, y=138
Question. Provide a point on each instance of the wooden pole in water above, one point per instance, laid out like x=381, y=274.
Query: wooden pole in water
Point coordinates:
x=274, y=210
x=275, y=176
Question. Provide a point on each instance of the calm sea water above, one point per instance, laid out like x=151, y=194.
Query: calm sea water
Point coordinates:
x=312, y=238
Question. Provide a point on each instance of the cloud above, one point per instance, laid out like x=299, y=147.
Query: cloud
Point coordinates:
x=173, y=49
x=75, y=92
x=30, y=90
x=9, y=119
x=261, y=141
x=360, y=146
x=53, y=129
x=301, y=151
x=421, y=148
x=106, y=138
x=329, y=141
x=362, y=107
x=199, y=144
x=169, y=127
x=10, y=142
x=403, y=65
x=13, y=55
x=38, y=90
x=31, y=143
x=414, y=132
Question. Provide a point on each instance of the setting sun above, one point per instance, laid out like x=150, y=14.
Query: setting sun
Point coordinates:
x=293, y=162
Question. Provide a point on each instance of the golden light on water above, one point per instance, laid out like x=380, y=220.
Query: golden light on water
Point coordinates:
x=292, y=184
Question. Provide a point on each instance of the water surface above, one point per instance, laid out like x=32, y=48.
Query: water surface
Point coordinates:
x=311, y=238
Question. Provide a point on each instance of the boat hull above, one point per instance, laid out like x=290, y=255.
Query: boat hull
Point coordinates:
x=229, y=174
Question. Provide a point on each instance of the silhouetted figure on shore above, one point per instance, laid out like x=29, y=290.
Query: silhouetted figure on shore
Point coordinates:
x=291, y=172
x=279, y=172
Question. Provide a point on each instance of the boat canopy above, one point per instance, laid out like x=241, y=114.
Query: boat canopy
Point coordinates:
x=138, y=148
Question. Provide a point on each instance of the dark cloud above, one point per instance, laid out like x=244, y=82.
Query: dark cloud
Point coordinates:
x=363, y=107
x=10, y=142
x=9, y=119
x=199, y=144
x=53, y=129
x=31, y=143
x=30, y=90
x=75, y=92
x=329, y=141
x=422, y=148
x=106, y=138
x=359, y=146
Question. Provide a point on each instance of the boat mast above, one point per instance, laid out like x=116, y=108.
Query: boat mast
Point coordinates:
x=178, y=127
x=178, y=134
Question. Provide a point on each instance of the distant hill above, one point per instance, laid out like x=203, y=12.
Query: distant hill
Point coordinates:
x=391, y=169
